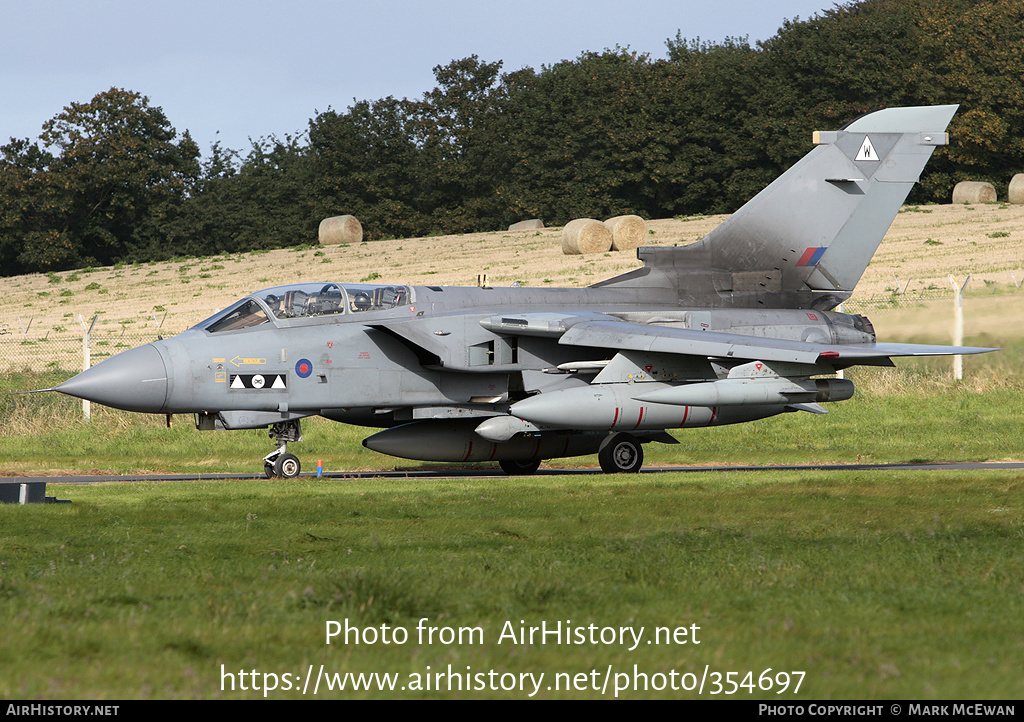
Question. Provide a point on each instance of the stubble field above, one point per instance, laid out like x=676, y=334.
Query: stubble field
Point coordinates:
x=924, y=246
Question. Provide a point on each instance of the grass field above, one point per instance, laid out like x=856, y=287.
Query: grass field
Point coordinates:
x=876, y=585
x=873, y=584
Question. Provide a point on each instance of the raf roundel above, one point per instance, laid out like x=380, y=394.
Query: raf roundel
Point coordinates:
x=303, y=368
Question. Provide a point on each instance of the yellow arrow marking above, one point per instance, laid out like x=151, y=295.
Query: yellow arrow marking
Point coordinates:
x=239, y=361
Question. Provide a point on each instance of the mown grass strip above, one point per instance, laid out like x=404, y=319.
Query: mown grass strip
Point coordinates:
x=877, y=584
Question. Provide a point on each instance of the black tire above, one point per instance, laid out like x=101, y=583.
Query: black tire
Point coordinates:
x=621, y=454
x=287, y=466
x=268, y=469
x=519, y=468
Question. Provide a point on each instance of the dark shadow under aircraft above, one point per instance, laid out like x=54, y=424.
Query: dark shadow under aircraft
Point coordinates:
x=736, y=327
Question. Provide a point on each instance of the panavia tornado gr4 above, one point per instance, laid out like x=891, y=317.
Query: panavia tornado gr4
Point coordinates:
x=736, y=327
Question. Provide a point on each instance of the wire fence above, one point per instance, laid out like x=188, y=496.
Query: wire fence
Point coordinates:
x=26, y=356
x=865, y=302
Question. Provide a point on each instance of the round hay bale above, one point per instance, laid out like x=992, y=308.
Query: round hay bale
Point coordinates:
x=530, y=225
x=340, y=229
x=585, y=235
x=1016, y=194
x=974, y=192
x=628, y=232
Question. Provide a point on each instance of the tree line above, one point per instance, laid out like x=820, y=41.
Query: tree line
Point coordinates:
x=699, y=131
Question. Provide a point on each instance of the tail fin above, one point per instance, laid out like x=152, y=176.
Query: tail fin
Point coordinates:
x=805, y=240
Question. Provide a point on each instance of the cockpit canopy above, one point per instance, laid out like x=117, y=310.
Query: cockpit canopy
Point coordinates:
x=306, y=300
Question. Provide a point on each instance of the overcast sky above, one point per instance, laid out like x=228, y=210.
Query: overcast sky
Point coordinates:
x=252, y=68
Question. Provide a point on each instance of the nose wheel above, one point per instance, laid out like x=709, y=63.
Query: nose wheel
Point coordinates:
x=279, y=463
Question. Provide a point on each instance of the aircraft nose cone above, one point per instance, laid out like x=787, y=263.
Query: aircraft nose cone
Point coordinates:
x=133, y=380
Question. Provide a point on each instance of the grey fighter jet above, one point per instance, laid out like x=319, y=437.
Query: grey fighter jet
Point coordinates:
x=736, y=327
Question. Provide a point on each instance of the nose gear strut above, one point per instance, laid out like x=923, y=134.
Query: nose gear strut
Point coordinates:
x=279, y=463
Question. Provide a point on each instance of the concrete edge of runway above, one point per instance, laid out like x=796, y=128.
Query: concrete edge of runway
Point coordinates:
x=497, y=473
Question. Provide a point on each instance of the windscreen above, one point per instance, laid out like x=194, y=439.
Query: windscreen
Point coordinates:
x=245, y=314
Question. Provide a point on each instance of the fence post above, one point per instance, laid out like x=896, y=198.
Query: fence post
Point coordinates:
x=900, y=291
x=958, y=324
x=87, y=359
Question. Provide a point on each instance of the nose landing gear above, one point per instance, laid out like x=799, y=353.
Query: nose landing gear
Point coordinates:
x=279, y=463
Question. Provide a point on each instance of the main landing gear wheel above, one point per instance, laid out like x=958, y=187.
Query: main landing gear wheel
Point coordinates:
x=519, y=468
x=621, y=454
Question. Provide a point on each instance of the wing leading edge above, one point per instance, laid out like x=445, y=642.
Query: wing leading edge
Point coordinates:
x=621, y=335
